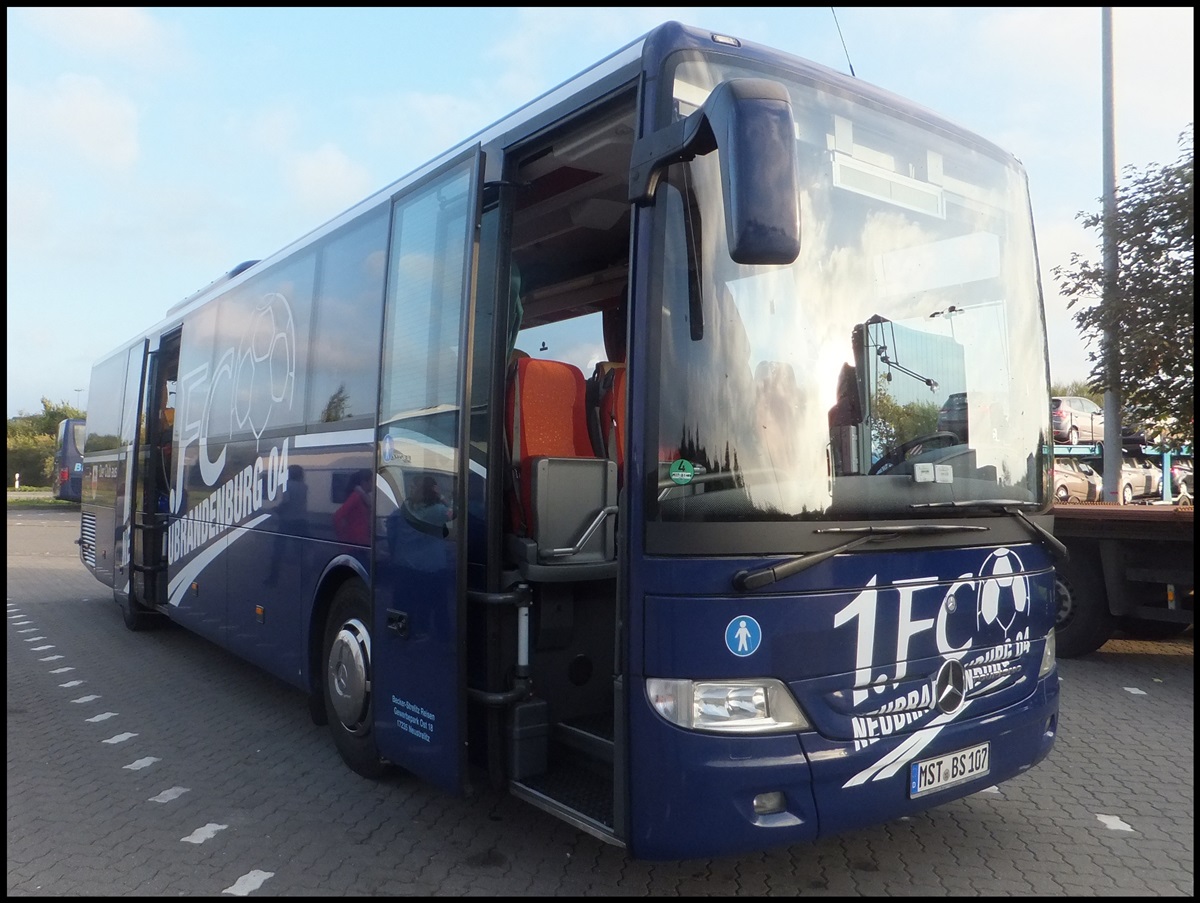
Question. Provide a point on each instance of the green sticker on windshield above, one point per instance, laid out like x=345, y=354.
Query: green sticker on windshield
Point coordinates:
x=682, y=472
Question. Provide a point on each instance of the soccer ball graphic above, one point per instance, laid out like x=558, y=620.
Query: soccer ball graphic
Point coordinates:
x=1003, y=591
x=265, y=369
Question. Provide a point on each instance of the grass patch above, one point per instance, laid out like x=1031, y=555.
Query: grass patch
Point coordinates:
x=24, y=501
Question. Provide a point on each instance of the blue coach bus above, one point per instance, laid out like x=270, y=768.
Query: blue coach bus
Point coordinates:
x=598, y=459
x=68, y=459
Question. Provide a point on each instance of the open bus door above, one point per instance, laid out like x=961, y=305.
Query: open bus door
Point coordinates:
x=422, y=468
x=144, y=514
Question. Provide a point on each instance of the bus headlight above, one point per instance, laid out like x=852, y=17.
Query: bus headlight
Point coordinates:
x=1049, y=655
x=762, y=706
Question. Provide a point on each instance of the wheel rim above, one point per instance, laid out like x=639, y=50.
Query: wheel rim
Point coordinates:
x=349, y=672
x=1064, y=609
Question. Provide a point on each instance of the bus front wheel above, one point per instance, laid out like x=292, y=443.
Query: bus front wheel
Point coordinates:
x=135, y=617
x=349, y=704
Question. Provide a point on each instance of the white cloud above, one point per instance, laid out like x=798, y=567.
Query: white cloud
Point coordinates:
x=414, y=127
x=520, y=52
x=77, y=113
x=270, y=130
x=1154, y=69
x=326, y=181
x=32, y=216
x=127, y=33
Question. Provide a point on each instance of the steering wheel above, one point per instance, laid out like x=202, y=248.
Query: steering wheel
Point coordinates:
x=898, y=454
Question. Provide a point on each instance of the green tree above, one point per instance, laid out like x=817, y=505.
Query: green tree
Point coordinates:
x=893, y=424
x=31, y=439
x=1078, y=388
x=1153, y=314
x=337, y=407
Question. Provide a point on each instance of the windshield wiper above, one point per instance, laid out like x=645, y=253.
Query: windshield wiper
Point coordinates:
x=753, y=579
x=1008, y=506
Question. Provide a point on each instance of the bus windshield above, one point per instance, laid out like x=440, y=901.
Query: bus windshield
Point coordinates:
x=882, y=371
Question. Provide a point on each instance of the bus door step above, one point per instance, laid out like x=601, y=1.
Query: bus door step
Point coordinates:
x=580, y=795
x=591, y=736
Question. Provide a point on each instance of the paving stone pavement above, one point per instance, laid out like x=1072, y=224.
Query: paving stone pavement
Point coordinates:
x=159, y=764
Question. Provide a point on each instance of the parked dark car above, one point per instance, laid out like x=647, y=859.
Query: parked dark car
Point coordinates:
x=952, y=417
x=1076, y=481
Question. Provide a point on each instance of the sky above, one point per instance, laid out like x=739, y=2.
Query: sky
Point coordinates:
x=152, y=149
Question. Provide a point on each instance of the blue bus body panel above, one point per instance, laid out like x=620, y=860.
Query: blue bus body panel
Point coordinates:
x=863, y=663
x=247, y=554
x=417, y=693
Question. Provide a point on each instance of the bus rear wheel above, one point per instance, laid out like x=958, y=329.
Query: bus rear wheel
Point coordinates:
x=349, y=703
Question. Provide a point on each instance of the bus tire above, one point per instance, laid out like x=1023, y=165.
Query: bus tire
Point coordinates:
x=135, y=617
x=347, y=667
x=1083, y=623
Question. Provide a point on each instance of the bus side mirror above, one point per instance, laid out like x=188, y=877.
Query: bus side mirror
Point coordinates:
x=750, y=120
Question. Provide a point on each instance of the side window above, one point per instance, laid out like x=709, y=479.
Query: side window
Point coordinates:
x=425, y=298
x=260, y=351
x=347, y=323
x=428, y=284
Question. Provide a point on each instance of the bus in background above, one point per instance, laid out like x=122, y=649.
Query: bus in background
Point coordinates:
x=598, y=459
x=68, y=460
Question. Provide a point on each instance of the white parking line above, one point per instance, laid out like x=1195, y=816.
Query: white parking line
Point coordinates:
x=142, y=763
x=1113, y=823
x=166, y=796
x=50, y=658
x=104, y=716
x=72, y=683
x=248, y=883
x=208, y=832
x=1135, y=691
x=119, y=738
x=91, y=698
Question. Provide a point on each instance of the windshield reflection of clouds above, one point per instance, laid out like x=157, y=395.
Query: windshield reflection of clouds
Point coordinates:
x=931, y=261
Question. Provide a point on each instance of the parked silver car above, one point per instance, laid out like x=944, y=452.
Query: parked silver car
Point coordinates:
x=1076, y=419
x=1076, y=481
x=1141, y=477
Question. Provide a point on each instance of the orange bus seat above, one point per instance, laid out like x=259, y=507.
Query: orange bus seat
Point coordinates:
x=559, y=486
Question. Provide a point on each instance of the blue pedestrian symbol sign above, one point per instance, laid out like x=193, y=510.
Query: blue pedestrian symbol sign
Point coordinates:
x=743, y=636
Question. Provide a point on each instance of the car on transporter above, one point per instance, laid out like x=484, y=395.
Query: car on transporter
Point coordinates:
x=1075, y=480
